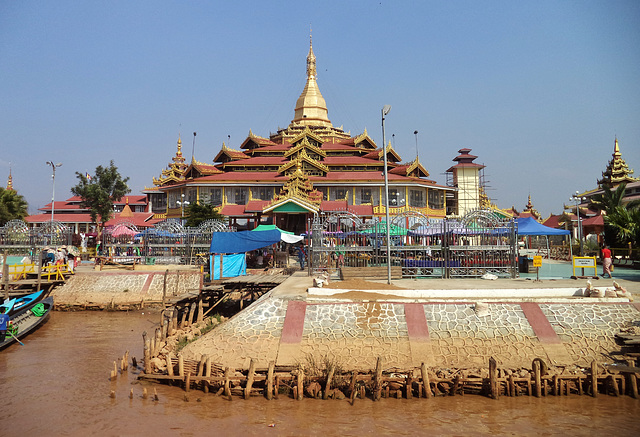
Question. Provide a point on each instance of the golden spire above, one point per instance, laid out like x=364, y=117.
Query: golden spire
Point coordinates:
x=10, y=181
x=311, y=109
x=617, y=170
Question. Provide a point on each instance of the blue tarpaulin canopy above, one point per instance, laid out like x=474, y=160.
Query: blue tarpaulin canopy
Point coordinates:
x=243, y=241
x=528, y=226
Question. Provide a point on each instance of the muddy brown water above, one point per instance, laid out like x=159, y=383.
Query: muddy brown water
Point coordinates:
x=58, y=385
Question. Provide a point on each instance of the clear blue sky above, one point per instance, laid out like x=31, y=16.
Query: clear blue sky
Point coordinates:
x=538, y=90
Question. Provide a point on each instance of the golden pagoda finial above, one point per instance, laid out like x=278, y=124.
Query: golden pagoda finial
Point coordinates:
x=224, y=146
x=179, y=153
x=311, y=60
x=616, y=148
x=10, y=180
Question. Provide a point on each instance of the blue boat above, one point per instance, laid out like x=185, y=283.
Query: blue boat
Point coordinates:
x=12, y=306
x=27, y=319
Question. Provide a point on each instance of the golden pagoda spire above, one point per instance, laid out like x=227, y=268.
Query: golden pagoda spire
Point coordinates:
x=617, y=170
x=311, y=109
x=10, y=181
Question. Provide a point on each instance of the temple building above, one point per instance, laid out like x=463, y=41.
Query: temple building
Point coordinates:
x=616, y=172
x=308, y=168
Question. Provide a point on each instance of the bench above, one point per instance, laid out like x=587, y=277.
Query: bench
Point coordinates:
x=370, y=272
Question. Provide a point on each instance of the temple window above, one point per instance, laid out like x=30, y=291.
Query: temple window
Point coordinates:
x=172, y=198
x=192, y=195
x=436, y=199
x=417, y=198
x=363, y=195
x=262, y=193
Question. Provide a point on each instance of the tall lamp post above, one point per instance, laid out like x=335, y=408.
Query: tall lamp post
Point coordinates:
x=385, y=111
x=182, y=204
x=578, y=199
x=53, y=190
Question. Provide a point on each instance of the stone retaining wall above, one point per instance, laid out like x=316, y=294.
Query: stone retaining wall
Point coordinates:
x=122, y=289
x=353, y=334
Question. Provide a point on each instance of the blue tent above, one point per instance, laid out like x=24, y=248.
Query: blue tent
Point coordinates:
x=528, y=226
x=243, y=241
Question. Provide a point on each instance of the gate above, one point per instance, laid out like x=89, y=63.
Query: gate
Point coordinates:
x=480, y=242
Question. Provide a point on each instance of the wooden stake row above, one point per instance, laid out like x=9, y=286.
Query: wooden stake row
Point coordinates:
x=377, y=384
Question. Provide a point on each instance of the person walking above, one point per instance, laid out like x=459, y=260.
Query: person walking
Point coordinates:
x=301, y=256
x=606, y=261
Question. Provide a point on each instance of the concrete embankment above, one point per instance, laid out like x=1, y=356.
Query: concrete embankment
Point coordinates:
x=121, y=289
x=291, y=325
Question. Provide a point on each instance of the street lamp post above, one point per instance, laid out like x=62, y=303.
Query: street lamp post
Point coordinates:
x=182, y=204
x=385, y=111
x=53, y=191
x=578, y=199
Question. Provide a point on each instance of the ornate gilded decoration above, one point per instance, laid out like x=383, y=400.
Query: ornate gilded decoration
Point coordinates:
x=617, y=170
x=176, y=169
x=311, y=109
x=10, y=181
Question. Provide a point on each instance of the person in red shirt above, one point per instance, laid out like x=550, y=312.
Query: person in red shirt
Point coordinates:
x=606, y=261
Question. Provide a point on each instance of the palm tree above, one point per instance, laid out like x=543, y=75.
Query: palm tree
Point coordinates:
x=608, y=200
x=12, y=206
x=624, y=222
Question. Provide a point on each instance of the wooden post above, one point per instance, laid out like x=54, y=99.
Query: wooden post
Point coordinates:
x=200, y=317
x=158, y=342
x=272, y=365
x=276, y=388
x=170, y=364
x=250, y=377
x=165, y=329
x=378, y=390
x=180, y=365
x=164, y=289
x=536, y=372
x=40, y=270
x=227, y=388
x=352, y=385
x=493, y=378
x=594, y=378
x=300, y=383
x=614, y=385
x=192, y=312
x=147, y=357
x=5, y=275
x=327, y=387
x=555, y=390
x=409, y=385
x=201, y=364
x=456, y=384
x=512, y=386
x=187, y=382
x=633, y=383
x=174, y=321
x=425, y=381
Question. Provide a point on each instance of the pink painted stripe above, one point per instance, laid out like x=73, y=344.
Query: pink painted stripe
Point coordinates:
x=540, y=324
x=147, y=283
x=293, y=322
x=416, y=321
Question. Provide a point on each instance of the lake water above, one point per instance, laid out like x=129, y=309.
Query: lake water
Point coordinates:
x=58, y=385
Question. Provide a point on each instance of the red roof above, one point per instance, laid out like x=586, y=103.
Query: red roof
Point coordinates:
x=235, y=211
x=334, y=205
x=256, y=205
x=64, y=218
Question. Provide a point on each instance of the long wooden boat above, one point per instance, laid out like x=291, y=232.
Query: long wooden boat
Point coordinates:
x=15, y=305
x=26, y=320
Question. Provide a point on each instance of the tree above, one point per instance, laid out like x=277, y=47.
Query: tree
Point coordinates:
x=198, y=213
x=620, y=219
x=12, y=206
x=624, y=225
x=99, y=192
